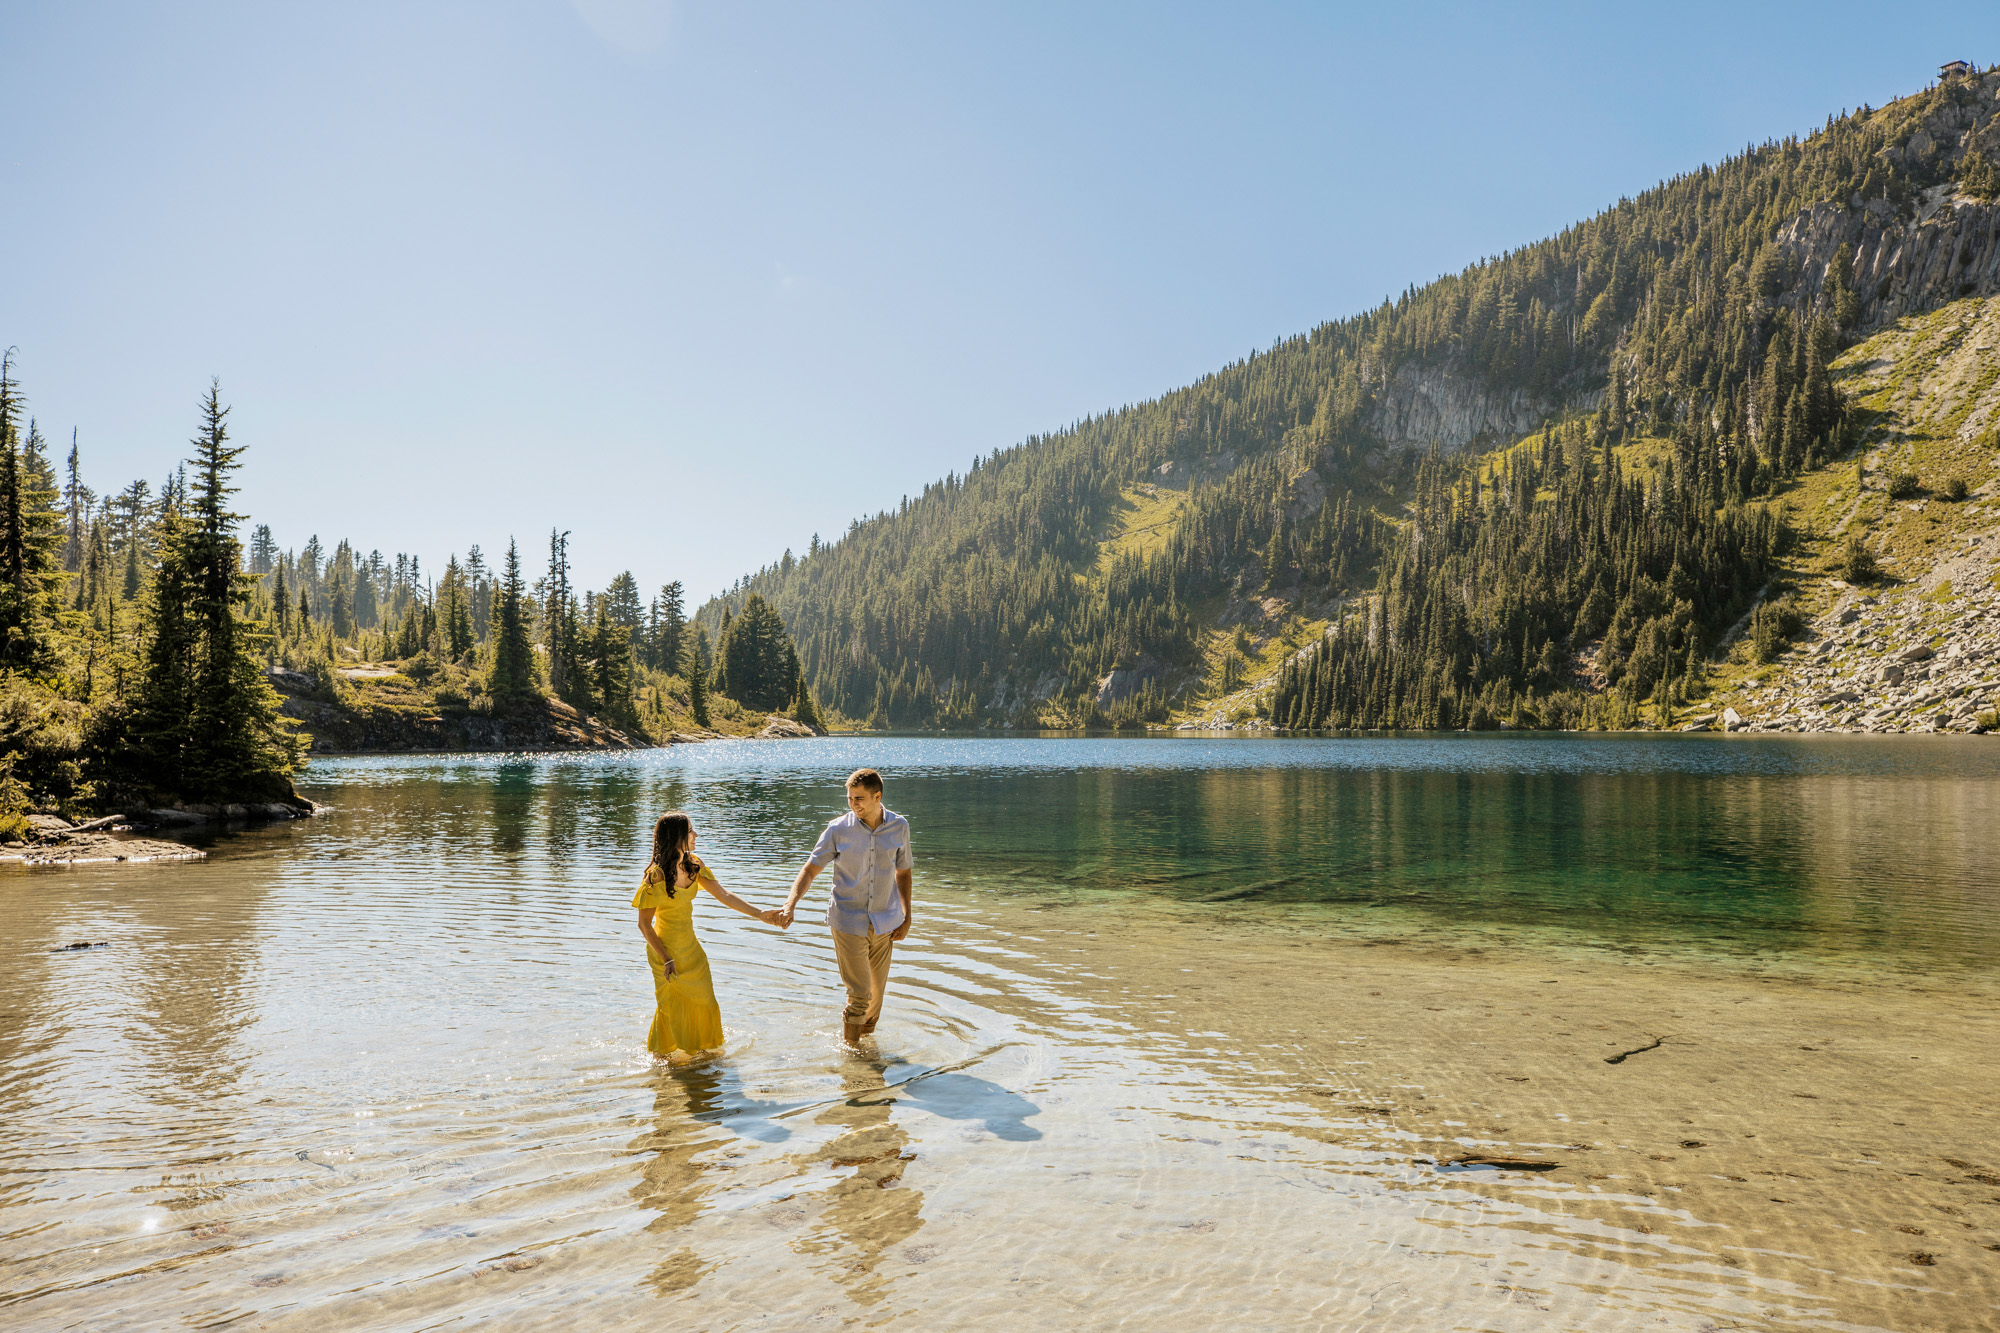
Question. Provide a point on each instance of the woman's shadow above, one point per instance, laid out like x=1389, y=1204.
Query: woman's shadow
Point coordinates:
x=690, y=1104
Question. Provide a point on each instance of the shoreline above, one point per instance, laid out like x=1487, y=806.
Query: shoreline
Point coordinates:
x=118, y=838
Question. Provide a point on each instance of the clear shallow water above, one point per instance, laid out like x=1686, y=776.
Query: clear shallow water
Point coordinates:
x=1185, y=1025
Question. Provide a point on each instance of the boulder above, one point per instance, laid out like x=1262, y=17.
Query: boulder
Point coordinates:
x=1914, y=653
x=785, y=729
x=49, y=828
x=1731, y=720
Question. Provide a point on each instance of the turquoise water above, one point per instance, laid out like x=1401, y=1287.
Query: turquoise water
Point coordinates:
x=1145, y=1051
x=1888, y=849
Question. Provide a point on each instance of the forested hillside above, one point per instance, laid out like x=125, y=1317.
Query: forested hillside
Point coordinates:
x=147, y=657
x=1656, y=378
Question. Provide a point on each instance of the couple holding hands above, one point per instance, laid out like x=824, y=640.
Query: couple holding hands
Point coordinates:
x=868, y=849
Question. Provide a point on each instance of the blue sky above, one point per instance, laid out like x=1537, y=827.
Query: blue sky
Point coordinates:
x=696, y=281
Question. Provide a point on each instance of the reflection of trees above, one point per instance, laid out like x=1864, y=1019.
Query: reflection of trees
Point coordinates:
x=1790, y=858
x=189, y=951
x=511, y=797
x=869, y=1210
x=37, y=1020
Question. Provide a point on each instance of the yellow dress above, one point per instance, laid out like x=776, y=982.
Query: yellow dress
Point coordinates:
x=685, y=1017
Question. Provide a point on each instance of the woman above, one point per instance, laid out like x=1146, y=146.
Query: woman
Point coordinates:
x=686, y=1018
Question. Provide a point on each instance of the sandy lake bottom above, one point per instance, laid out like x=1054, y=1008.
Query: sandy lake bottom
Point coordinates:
x=387, y=1071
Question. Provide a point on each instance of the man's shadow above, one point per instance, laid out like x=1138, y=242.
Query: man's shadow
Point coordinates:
x=956, y=1096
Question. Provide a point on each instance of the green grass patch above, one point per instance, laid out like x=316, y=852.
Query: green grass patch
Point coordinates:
x=1144, y=525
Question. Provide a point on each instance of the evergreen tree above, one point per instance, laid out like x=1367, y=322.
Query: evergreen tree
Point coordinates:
x=758, y=659
x=697, y=678
x=668, y=628
x=612, y=668
x=567, y=679
x=31, y=541
x=512, y=682
x=455, y=620
x=803, y=708
x=481, y=586
x=77, y=499
x=621, y=601
x=207, y=720
x=721, y=678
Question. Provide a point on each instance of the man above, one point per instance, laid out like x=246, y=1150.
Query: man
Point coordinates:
x=869, y=850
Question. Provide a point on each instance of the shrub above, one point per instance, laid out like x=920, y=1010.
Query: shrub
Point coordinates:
x=1955, y=489
x=1857, y=562
x=14, y=825
x=1772, y=626
x=1903, y=485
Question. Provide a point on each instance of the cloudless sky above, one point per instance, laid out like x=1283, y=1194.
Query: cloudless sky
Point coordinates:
x=696, y=281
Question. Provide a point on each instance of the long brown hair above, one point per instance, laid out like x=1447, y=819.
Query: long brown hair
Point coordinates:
x=670, y=847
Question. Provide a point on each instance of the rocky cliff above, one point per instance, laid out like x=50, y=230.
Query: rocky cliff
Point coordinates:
x=1421, y=405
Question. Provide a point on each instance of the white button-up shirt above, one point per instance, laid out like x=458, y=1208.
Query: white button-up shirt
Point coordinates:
x=865, y=862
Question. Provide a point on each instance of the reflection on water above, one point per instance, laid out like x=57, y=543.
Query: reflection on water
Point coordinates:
x=1186, y=1026
x=865, y=1212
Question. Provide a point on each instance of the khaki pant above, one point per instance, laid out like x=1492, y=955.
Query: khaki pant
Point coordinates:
x=864, y=969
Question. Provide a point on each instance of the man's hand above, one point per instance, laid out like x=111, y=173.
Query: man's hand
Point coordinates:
x=897, y=934
x=785, y=916
x=772, y=916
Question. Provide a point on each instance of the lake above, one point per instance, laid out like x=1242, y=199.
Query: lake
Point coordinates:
x=1190, y=1032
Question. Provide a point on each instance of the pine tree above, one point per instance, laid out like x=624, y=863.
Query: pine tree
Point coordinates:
x=512, y=681
x=455, y=619
x=697, y=677
x=207, y=720
x=567, y=680
x=31, y=540
x=77, y=499
x=804, y=709
x=721, y=679
x=669, y=627
x=612, y=668
x=758, y=658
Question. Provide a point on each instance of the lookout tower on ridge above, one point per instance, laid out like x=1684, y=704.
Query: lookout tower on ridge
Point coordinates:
x=1955, y=69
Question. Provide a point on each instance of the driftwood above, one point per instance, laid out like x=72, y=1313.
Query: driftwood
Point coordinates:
x=102, y=821
x=1504, y=1163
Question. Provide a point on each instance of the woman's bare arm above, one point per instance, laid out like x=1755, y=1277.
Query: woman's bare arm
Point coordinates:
x=652, y=940
x=708, y=881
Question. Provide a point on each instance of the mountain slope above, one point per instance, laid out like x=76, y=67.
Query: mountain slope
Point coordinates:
x=1671, y=354
x=1918, y=649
